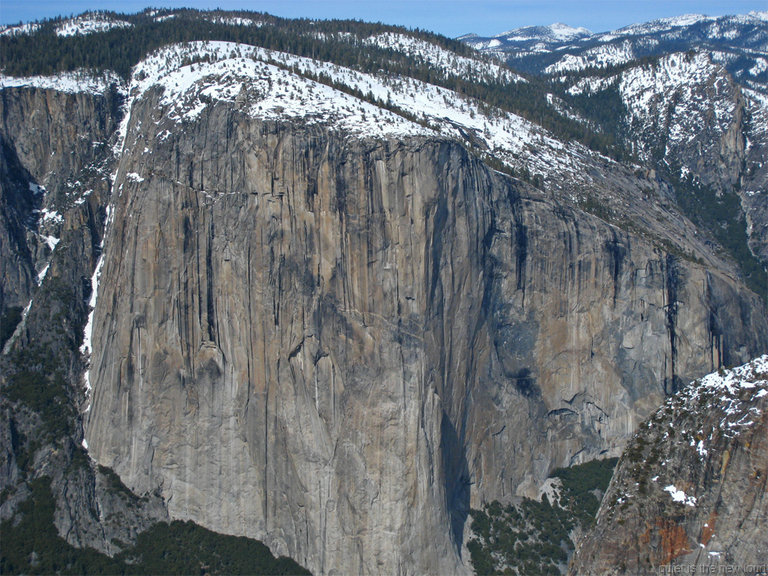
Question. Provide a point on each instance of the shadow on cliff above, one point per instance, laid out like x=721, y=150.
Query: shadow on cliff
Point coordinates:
x=456, y=480
x=18, y=201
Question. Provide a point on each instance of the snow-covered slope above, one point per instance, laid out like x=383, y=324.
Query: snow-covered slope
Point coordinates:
x=272, y=85
x=674, y=85
x=646, y=90
x=89, y=24
x=443, y=60
x=27, y=28
x=679, y=109
x=598, y=57
x=260, y=81
x=534, y=38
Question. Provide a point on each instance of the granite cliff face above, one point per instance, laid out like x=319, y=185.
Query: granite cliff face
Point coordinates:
x=321, y=319
x=55, y=189
x=50, y=144
x=337, y=345
x=689, y=490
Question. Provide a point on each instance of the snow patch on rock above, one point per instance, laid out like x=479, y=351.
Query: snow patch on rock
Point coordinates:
x=680, y=496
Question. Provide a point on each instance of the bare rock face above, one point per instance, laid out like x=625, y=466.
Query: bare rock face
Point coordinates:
x=16, y=263
x=685, y=114
x=54, y=134
x=55, y=150
x=689, y=490
x=338, y=345
x=50, y=145
x=754, y=182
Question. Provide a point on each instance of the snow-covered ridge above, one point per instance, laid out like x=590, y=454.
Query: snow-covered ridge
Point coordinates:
x=740, y=39
x=664, y=24
x=532, y=38
x=564, y=32
x=731, y=395
x=72, y=82
x=275, y=85
x=557, y=32
x=723, y=28
x=259, y=80
x=89, y=24
x=234, y=21
x=597, y=57
x=20, y=29
x=446, y=61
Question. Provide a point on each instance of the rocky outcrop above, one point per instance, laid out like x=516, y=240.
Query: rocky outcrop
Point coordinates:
x=689, y=490
x=687, y=112
x=55, y=157
x=754, y=182
x=337, y=345
x=92, y=507
x=52, y=148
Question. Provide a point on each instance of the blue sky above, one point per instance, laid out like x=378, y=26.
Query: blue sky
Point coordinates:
x=449, y=17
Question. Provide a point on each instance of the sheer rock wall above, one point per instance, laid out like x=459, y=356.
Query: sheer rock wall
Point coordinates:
x=339, y=345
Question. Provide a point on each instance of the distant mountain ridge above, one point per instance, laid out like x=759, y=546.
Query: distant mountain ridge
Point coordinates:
x=545, y=35
x=741, y=42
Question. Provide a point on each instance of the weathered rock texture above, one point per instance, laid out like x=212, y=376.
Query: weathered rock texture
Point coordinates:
x=754, y=181
x=689, y=491
x=54, y=140
x=59, y=141
x=688, y=115
x=338, y=345
x=687, y=111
